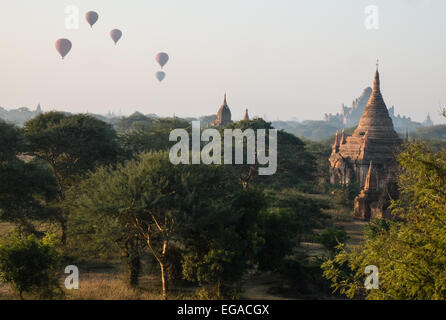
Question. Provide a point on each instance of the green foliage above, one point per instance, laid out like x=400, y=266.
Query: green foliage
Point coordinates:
x=321, y=181
x=150, y=138
x=30, y=265
x=306, y=210
x=25, y=190
x=331, y=238
x=344, y=195
x=295, y=165
x=25, y=186
x=377, y=227
x=221, y=251
x=410, y=251
x=11, y=141
x=163, y=203
x=135, y=121
x=302, y=276
x=70, y=145
x=280, y=229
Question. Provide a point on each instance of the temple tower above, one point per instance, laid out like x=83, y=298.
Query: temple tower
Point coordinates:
x=223, y=115
x=368, y=157
x=246, y=116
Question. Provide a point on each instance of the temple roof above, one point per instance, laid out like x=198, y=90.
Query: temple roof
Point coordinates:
x=375, y=119
x=246, y=116
x=223, y=114
x=224, y=109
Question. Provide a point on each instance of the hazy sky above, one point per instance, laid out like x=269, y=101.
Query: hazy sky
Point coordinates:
x=282, y=58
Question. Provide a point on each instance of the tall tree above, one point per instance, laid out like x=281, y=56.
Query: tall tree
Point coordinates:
x=158, y=200
x=226, y=242
x=150, y=138
x=295, y=165
x=71, y=145
x=25, y=187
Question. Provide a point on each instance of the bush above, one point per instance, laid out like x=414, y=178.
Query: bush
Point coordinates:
x=377, y=227
x=331, y=237
x=344, y=195
x=303, y=277
x=30, y=265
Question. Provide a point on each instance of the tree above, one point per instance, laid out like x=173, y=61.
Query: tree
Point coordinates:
x=71, y=145
x=25, y=186
x=134, y=121
x=11, y=142
x=331, y=238
x=305, y=210
x=280, y=229
x=140, y=139
x=345, y=194
x=158, y=200
x=321, y=154
x=295, y=165
x=30, y=265
x=25, y=190
x=409, y=251
x=226, y=242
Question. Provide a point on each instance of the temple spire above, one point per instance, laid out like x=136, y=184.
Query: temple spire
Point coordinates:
x=376, y=118
x=223, y=114
x=376, y=85
x=336, y=142
x=343, y=137
x=367, y=185
x=246, y=116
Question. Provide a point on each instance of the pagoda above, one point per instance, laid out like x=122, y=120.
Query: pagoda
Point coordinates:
x=368, y=157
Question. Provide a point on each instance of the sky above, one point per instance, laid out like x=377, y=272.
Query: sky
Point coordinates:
x=283, y=59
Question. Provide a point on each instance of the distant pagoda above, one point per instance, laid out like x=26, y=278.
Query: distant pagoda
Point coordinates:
x=368, y=157
x=223, y=115
x=428, y=122
x=246, y=116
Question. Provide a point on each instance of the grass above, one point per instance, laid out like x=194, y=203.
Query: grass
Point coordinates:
x=100, y=286
x=5, y=228
x=109, y=287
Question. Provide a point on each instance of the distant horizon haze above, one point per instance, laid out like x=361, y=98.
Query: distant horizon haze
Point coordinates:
x=284, y=59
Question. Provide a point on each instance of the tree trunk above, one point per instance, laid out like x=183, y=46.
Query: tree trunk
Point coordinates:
x=134, y=269
x=218, y=289
x=163, y=280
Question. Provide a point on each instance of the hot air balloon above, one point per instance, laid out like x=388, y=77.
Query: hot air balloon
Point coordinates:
x=162, y=58
x=92, y=17
x=160, y=75
x=116, y=34
x=63, y=46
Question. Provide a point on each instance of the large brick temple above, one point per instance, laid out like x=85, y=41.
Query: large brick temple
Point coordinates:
x=369, y=158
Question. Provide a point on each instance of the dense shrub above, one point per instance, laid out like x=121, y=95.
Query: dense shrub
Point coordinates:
x=30, y=265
